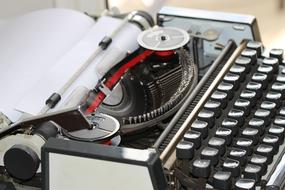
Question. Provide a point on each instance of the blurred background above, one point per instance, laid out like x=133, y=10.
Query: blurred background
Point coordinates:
x=270, y=13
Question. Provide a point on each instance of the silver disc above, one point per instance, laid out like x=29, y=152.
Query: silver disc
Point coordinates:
x=163, y=38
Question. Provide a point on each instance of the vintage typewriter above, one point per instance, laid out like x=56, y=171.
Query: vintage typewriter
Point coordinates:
x=197, y=105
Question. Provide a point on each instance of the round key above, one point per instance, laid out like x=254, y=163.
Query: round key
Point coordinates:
x=257, y=46
x=280, y=120
x=200, y=126
x=214, y=106
x=245, y=144
x=265, y=150
x=256, y=87
x=208, y=116
x=185, y=150
x=220, y=97
x=263, y=114
x=237, y=115
x=212, y=154
x=266, y=69
x=251, y=53
x=201, y=168
x=273, y=141
x=252, y=171
x=277, y=53
x=218, y=143
x=221, y=180
x=232, y=166
x=249, y=95
x=259, y=160
x=268, y=105
x=245, y=184
x=260, y=78
x=194, y=137
x=277, y=131
x=245, y=62
x=233, y=79
x=271, y=61
x=227, y=88
x=274, y=97
x=258, y=124
x=250, y=133
x=282, y=113
x=243, y=105
x=238, y=154
x=280, y=78
x=231, y=124
x=278, y=87
x=238, y=70
x=224, y=133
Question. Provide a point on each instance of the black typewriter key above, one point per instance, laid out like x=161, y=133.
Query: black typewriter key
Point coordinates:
x=185, y=150
x=218, y=143
x=249, y=95
x=243, y=105
x=274, y=97
x=232, y=166
x=268, y=70
x=250, y=133
x=238, y=154
x=194, y=137
x=277, y=131
x=238, y=70
x=256, y=87
x=200, y=126
x=259, y=160
x=263, y=114
x=210, y=153
x=245, y=62
x=260, y=78
x=220, y=97
x=252, y=171
x=272, y=140
x=224, y=133
x=265, y=150
x=258, y=124
x=251, y=53
x=245, y=144
x=222, y=180
x=237, y=115
x=271, y=61
x=228, y=88
x=214, y=106
x=245, y=184
x=280, y=78
x=278, y=87
x=231, y=124
x=277, y=53
x=268, y=105
x=201, y=168
x=257, y=46
x=282, y=112
x=233, y=79
x=280, y=120
x=208, y=116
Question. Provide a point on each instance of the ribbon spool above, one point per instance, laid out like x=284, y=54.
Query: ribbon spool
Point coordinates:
x=163, y=40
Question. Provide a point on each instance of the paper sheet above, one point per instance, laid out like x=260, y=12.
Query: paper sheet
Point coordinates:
x=30, y=45
x=63, y=62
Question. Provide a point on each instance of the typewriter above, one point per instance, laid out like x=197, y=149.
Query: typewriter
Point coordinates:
x=197, y=104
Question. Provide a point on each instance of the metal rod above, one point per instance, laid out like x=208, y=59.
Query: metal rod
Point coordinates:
x=185, y=126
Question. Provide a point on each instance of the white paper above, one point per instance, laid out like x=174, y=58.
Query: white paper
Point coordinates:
x=30, y=45
x=59, y=74
x=49, y=57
